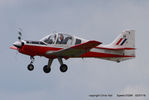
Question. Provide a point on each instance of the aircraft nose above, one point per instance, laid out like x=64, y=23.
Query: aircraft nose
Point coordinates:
x=17, y=44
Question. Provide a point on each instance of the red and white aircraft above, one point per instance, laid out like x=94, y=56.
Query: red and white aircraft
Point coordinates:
x=60, y=45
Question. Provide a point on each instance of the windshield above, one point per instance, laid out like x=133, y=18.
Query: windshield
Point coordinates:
x=58, y=38
x=50, y=39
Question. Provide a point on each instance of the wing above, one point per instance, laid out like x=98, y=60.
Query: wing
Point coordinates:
x=76, y=50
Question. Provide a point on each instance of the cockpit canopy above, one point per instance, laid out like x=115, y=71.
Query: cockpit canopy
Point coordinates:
x=57, y=38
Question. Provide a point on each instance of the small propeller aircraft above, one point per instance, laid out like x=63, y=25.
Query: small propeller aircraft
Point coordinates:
x=63, y=46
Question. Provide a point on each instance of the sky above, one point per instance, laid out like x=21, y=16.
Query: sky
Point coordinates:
x=100, y=20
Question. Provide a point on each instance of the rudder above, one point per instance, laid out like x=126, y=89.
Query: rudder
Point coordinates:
x=125, y=40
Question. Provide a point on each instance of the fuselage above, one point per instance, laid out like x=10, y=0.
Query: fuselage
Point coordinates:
x=51, y=43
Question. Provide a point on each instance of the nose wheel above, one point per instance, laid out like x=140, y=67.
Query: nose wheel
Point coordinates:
x=30, y=67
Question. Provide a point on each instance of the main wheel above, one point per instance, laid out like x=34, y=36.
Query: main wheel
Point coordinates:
x=30, y=67
x=63, y=68
x=46, y=69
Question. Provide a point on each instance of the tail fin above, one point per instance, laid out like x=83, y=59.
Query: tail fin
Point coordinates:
x=125, y=43
x=125, y=40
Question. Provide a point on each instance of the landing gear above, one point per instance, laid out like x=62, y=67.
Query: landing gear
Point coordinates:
x=47, y=68
x=63, y=67
x=30, y=67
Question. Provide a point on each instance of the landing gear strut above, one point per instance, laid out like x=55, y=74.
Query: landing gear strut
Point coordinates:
x=47, y=68
x=63, y=67
x=30, y=67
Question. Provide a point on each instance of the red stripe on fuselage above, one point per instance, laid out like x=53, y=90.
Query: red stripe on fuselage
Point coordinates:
x=119, y=41
x=102, y=55
x=115, y=48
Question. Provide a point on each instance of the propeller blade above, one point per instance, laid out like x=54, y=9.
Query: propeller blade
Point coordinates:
x=20, y=34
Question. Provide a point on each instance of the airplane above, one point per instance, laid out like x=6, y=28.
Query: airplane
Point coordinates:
x=64, y=46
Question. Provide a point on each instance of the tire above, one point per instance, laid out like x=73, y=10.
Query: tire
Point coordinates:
x=46, y=69
x=30, y=67
x=63, y=68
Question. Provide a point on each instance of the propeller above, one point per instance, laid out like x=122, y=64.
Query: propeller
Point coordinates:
x=20, y=34
x=19, y=43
